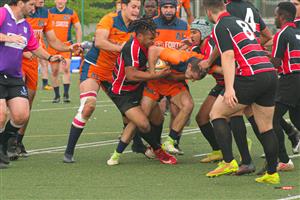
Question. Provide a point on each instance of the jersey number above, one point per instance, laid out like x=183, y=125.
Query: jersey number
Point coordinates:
x=246, y=29
x=250, y=19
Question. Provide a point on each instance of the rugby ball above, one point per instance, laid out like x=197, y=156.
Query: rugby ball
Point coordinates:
x=160, y=64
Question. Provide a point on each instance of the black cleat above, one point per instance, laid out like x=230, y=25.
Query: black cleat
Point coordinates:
x=67, y=99
x=180, y=151
x=68, y=158
x=3, y=157
x=21, y=151
x=263, y=170
x=56, y=100
x=245, y=169
x=3, y=165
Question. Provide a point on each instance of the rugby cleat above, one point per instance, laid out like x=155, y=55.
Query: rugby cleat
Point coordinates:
x=56, y=100
x=269, y=178
x=114, y=159
x=296, y=146
x=286, y=166
x=3, y=157
x=224, y=168
x=3, y=165
x=164, y=157
x=12, y=149
x=149, y=153
x=21, y=151
x=214, y=156
x=66, y=99
x=180, y=151
x=169, y=147
x=68, y=158
x=47, y=87
x=245, y=169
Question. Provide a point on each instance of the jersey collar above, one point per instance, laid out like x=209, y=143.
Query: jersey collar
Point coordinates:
x=222, y=15
x=8, y=8
x=291, y=24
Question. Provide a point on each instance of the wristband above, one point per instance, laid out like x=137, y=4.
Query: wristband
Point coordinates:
x=49, y=58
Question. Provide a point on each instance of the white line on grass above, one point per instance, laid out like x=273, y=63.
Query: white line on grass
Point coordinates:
x=95, y=144
x=290, y=198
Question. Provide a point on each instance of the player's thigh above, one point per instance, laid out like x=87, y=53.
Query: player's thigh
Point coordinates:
x=156, y=117
x=221, y=110
x=138, y=117
x=248, y=111
x=263, y=117
x=65, y=67
x=88, y=85
x=3, y=112
x=202, y=116
x=183, y=99
x=148, y=104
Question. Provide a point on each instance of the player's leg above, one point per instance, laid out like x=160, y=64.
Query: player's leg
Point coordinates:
x=204, y=124
x=88, y=97
x=183, y=100
x=295, y=119
x=65, y=68
x=4, y=160
x=44, y=74
x=55, y=81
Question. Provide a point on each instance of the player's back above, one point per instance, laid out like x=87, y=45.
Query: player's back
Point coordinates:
x=248, y=13
x=249, y=55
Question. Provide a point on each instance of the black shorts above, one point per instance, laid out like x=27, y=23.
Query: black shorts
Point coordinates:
x=288, y=91
x=11, y=87
x=128, y=100
x=105, y=85
x=217, y=90
x=259, y=89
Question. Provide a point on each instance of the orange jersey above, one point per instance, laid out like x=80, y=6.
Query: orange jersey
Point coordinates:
x=104, y=61
x=62, y=23
x=170, y=35
x=176, y=57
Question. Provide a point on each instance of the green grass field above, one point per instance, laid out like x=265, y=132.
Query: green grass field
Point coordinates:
x=44, y=176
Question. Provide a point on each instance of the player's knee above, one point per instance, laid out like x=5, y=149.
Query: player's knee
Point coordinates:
x=2, y=119
x=201, y=118
x=20, y=118
x=144, y=126
x=188, y=105
x=86, y=109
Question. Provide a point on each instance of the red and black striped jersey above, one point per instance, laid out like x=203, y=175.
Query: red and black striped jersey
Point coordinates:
x=248, y=13
x=232, y=33
x=207, y=50
x=132, y=55
x=286, y=46
x=297, y=22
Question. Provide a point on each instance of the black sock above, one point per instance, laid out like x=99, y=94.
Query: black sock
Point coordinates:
x=157, y=131
x=73, y=138
x=148, y=137
x=224, y=138
x=19, y=138
x=208, y=132
x=177, y=141
x=290, y=131
x=137, y=140
x=10, y=128
x=66, y=90
x=56, y=92
x=280, y=110
x=270, y=145
x=45, y=82
x=239, y=131
x=255, y=128
x=174, y=134
x=121, y=146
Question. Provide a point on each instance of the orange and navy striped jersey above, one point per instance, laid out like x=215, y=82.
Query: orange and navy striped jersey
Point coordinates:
x=62, y=22
x=118, y=34
x=40, y=22
x=170, y=35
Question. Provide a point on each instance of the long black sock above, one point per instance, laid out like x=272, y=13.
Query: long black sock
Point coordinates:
x=137, y=140
x=239, y=131
x=148, y=137
x=45, y=82
x=157, y=131
x=255, y=128
x=56, y=92
x=289, y=130
x=19, y=138
x=208, y=132
x=73, y=138
x=280, y=110
x=270, y=145
x=174, y=134
x=66, y=90
x=224, y=138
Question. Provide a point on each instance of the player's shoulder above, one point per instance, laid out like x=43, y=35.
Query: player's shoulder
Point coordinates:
x=67, y=11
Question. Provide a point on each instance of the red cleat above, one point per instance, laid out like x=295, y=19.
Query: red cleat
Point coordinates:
x=164, y=157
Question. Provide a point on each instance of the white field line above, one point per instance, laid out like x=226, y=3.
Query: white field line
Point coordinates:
x=291, y=197
x=95, y=144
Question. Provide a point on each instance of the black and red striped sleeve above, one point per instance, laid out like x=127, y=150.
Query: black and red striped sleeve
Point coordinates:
x=279, y=45
x=131, y=55
x=222, y=38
